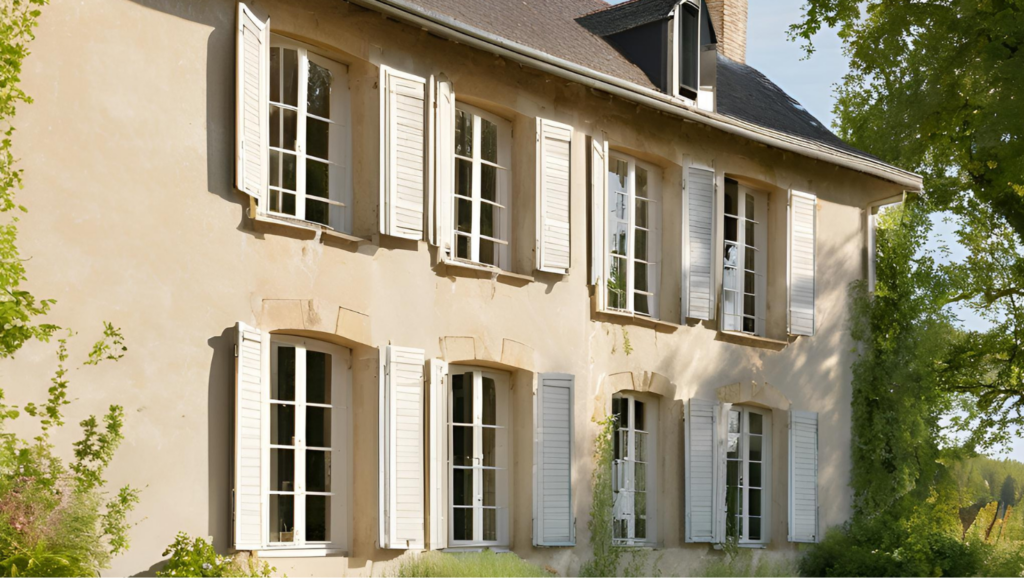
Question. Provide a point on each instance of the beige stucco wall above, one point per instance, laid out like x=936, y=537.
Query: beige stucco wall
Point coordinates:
x=128, y=158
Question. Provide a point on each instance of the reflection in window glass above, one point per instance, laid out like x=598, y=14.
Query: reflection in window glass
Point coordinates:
x=481, y=186
x=632, y=238
x=746, y=475
x=632, y=471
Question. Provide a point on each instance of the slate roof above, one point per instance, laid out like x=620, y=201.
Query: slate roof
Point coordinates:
x=551, y=26
x=746, y=94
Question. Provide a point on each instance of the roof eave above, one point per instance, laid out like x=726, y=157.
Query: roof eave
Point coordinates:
x=454, y=30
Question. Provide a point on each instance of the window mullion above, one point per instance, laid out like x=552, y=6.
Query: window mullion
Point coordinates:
x=300, y=445
x=474, y=251
x=300, y=135
x=630, y=240
x=478, y=456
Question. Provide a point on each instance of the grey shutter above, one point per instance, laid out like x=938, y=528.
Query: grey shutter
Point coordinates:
x=803, y=477
x=802, y=223
x=444, y=164
x=252, y=92
x=249, y=400
x=701, y=471
x=403, y=153
x=553, y=522
x=402, y=509
x=554, y=142
x=700, y=246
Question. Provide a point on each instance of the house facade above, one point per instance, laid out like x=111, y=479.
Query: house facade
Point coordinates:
x=383, y=266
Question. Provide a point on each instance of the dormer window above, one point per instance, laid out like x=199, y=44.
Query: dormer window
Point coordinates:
x=688, y=17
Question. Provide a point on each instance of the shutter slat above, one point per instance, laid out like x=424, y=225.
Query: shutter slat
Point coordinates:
x=700, y=195
x=403, y=154
x=403, y=505
x=251, y=97
x=553, y=520
x=801, y=263
x=554, y=147
x=701, y=469
x=803, y=477
x=248, y=503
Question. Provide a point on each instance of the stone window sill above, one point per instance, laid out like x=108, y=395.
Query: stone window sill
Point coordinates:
x=496, y=272
x=296, y=552
x=751, y=341
x=636, y=319
x=267, y=223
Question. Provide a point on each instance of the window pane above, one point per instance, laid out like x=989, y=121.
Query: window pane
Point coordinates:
x=282, y=386
x=732, y=472
x=731, y=302
x=462, y=247
x=488, y=439
x=617, y=284
x=462, y=523
x=284, y=130
x=618, y=174
x=282, y=170
x=730, y=198
x=462, y=398
x=731, y=256
x=639, y=476
x=464, y=215
x=748, y=282
x=463, y=178
x=318, y=518
x=749, y=233
x=490, y=525
x=624, y=416
x=754, y=528
x=641, y=211
x=748, y=305
x=730, y=229
x=275, y=196
x=284, y=76
x=318, y=471
x=488, y=217
x=638, y=417
x=288, y=203
x=317, y=211
x=641, y=185
x=756, y=423
x=734, y=422
x=640, y=236
x=462, y=487
x=282, y=424
x=318, y=426
x=488, y=252
x=282, y=469
x=755, y=502
x=749, y=325
x=489, y=141
x=317, y=138
x=640, y=276
x=490, y=487
x=640, y=520
x=640, y=452
x=754, y=473
x=318, y=377
x=275, y=74
x=282, y=518
x=750, y=259
x=462, y=445
x=489, y=400
x=489, y=183
x=689, y=42
x=617, y=409
x=750, y=208
x=318, y=91
x=755, y=448
x=463, y=134
x=620, y=237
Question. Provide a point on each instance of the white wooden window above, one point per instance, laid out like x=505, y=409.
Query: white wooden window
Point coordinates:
x=483, y=155
x=478, y=451
x=745, y=259
x=634, y=470
x=634, y=241
x=309, y=176
x=748, y=475
x=306, y=445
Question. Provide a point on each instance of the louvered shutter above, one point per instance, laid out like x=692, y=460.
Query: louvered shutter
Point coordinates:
x=554, y=142
x=437, y=484
x=444, y=164
x=402, y=513
x=803, y=477
x=252, y=92
x=403, y=153
x=701, y=471
x=249, y=401
x=598, y=195
x=553, y=521
x=700, y=203
x=802, y=224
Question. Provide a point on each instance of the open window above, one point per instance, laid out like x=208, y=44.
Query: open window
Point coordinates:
x=633, y=235
x=688, y=60
x=748, y=470
x=634, y=469
x=745, y=259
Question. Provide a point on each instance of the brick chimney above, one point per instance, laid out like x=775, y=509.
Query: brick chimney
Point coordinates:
x=730, y=20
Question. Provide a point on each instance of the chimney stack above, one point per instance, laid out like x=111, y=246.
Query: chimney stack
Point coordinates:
x=729, y=18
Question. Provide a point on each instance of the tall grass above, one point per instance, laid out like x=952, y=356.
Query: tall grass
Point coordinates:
x=484, y=564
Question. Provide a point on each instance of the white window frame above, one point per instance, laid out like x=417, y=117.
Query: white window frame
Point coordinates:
x=503, y=454
x=340, y=190
x=502, y=194
x=744, y=470
x=654, y=216
x=760, y=270
x=874, y=209
x=623, y=472
x=339, y=470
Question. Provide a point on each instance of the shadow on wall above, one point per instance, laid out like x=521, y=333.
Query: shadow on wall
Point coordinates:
x=221, y=417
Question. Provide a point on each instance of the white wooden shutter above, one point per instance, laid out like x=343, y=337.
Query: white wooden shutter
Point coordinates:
x=701, y=471
x=252, y=93
x=598, y=197
x=444, y=161
x=437, y=484
x=802, y=223
x=553, y=522
x=249, y=401
x=554, y=142
x=403, y=153
x=402, y=512
x=700, y=246
x=803, y=477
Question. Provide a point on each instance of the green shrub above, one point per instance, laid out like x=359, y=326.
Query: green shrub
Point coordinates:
x=736, y=562
x=197, y=558
x=483, y=564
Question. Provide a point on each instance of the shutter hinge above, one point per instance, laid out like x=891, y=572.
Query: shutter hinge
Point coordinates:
x=236, y=350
